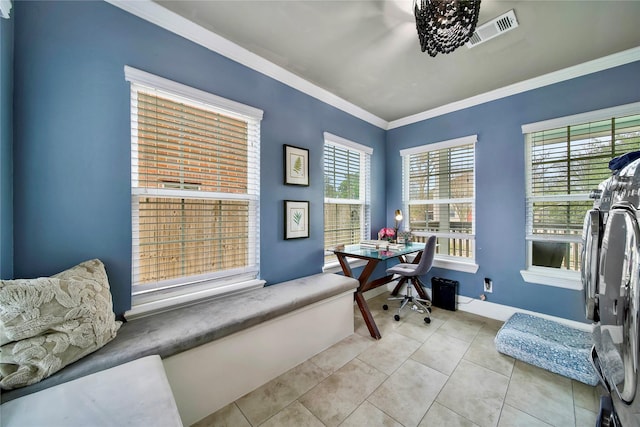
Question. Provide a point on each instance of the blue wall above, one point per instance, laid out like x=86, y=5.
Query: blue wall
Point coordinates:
x=72, y=140
x=500, y=179
x=71, y=143
x=6, y=148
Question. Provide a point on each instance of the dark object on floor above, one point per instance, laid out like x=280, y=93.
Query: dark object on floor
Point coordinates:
x=445, y=293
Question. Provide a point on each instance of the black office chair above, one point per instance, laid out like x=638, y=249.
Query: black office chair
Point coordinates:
x=411, y=273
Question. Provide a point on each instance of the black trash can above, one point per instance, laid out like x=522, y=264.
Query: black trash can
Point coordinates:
x=445, y=293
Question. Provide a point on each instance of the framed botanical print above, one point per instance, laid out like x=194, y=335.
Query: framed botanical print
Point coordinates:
x=296, y=165
x=296, y=219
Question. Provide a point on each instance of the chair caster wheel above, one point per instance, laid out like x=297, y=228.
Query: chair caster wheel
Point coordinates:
x=385, y=307
x=396, y=317
x=427, y=320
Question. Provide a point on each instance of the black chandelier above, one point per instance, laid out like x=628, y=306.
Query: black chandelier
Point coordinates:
x=445, y=25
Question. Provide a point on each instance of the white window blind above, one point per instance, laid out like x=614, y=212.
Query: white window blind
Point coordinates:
x=194, y=184
x=564, y=164
x=347, y=168
x=439, y=194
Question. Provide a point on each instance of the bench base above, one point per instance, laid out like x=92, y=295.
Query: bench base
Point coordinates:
x=208, y=377
x=136, y=394
x=549, y=345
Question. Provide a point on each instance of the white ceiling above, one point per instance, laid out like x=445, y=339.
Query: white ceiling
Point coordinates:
x=367, y=52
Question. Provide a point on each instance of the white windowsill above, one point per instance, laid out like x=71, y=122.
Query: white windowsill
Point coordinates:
x=143, y=305
x=334, y=267
x=552, y=277
x=451, y=264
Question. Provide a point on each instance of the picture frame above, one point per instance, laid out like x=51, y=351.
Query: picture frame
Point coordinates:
x=296, y=165
x=296, y=219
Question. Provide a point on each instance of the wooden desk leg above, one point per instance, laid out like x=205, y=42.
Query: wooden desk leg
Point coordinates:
x=362, y=303
x=368, y=317
x=421, y=292
x=398, y=286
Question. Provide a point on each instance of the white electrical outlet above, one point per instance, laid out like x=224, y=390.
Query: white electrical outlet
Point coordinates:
x=488, y=285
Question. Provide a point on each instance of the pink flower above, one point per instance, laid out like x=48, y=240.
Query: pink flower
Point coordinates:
x=386, y=233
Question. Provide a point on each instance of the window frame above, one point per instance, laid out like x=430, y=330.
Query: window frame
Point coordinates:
x=551, y=276
x=364, y=196
x=162, y=294
x=450, y=262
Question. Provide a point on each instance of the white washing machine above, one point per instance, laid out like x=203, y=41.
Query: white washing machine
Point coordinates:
x=611, y=276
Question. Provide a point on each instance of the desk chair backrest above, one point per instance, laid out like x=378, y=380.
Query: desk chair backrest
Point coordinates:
x=426, y=261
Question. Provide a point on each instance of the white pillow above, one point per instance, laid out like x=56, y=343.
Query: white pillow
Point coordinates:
x=50, y=322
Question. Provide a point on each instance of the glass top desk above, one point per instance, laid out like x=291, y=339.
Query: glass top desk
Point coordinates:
x=373, y=257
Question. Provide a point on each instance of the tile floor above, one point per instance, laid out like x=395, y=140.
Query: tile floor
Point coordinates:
x=447, y=373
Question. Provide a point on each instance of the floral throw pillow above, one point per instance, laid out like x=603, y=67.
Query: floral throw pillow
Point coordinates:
x=50, y=322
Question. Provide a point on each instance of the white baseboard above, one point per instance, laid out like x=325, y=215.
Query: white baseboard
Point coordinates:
x=209, y=377
x=488, y=309
x=503, y=312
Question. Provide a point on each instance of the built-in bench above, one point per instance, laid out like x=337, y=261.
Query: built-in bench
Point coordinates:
x=218, y=350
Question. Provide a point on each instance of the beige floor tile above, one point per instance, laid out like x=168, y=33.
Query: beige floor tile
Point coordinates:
x=294, y=415
x=540, y=393
x=370, y=416
x=462, y=328
x=342, y=392
x=471, y=317
x=407, y=394
x=267, y=400
x=439, y=415
x=491, y=326
x=441, y=352
x=485, y=388
x=229, y=416
x=414, y=327
x=442, y=314
x=483, y=352
x=338, y=355
x=475, y=392
x=512, y=417
x=388, y=353
x=586, y=396
x=585, y=417
x=383, y=319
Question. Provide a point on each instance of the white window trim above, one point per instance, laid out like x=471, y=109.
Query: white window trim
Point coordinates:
x=467, y=265
x=451, y=263
x=578, y=119
x=143, y=78
x=147, y=299
x=335, y=267
x=365, y=196
x=5, y=8
x=337, y=140
x=554, y=276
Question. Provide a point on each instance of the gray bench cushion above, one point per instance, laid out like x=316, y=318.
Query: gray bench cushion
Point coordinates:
x=175, y=331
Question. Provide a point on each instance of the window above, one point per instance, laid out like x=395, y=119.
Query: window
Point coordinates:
x=566, y=159
x=346, y=193
x=439, y=196
x=195, y=189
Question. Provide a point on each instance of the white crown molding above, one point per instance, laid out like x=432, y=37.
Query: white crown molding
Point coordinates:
x=5, y=8
x=175, y=23
x=610, y=61
x=164, y=18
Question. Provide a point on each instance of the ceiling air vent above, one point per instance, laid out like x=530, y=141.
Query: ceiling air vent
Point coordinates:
x=493, y=28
